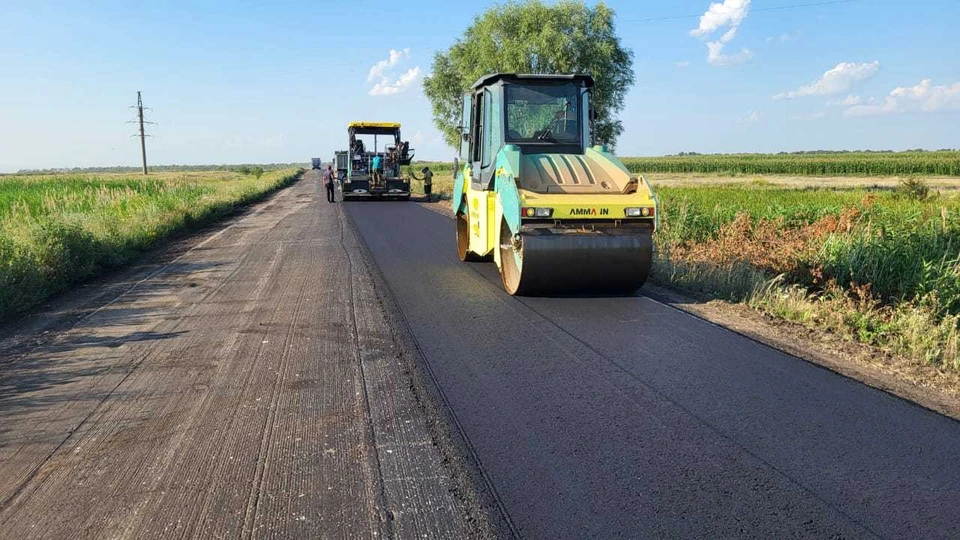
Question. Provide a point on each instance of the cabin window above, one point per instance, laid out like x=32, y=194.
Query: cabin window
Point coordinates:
x=543, y=114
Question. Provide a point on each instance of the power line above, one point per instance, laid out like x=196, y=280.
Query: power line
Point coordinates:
x=775, y=8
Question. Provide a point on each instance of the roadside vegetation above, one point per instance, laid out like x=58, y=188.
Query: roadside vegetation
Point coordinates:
x=243, y=168
x=881, y=267
x=57, y=230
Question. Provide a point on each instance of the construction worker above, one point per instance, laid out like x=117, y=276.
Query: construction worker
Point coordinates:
x=327, y=177
x=427, y=181
x=377, y=167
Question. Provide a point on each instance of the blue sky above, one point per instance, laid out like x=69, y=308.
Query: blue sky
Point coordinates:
x=233, y=82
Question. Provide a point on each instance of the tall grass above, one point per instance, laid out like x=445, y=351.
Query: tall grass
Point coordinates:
x=941, y=163
x=58, y=230
x=894, y=243
x=876, y=265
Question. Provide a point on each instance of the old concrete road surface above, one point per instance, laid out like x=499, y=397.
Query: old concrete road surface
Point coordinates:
x=249, y=388
x=624, y=418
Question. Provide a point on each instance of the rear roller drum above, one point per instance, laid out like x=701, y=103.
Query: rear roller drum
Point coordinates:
x=542, y=262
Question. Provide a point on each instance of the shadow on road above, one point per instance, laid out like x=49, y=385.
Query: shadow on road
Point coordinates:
x=58, y=355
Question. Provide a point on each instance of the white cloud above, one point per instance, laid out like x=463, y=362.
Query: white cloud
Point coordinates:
x=848, y=101
x=729, y=14
x=720, y=14
x=382, y=73
x=386, y=88
x=835, y=81
x=378, y=69
x=682, y=64
x=716, y=57
x=923, y=97
x=753, y=117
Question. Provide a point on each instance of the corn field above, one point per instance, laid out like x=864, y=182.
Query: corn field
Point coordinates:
x=942, y=163
x=939, y=163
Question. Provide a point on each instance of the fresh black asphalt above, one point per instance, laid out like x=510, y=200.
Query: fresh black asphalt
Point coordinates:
x=622, y=417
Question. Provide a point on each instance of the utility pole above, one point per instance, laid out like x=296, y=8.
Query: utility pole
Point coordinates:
x=143, y=137
x=142, y=134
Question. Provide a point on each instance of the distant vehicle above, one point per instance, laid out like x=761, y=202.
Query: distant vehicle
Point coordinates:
x=317, y=163
x=355, y=166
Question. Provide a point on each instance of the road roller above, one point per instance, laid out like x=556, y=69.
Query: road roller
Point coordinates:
x=556, y=214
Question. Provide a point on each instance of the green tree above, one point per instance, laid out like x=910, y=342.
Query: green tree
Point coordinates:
x=533, y=37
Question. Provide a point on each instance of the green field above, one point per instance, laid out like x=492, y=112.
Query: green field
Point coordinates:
x=941, y=163
x=57, y=230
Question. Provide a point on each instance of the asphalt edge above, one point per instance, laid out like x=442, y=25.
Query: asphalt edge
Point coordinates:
x=472, y=486
x=895, y=388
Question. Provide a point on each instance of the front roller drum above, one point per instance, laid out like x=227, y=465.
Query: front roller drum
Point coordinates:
x=545, y=261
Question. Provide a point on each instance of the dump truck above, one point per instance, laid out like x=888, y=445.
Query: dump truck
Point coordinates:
x=316, y=163
x=556, y=214
x=361, y=179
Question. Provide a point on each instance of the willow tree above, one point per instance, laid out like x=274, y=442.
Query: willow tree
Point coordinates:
x=533, y=37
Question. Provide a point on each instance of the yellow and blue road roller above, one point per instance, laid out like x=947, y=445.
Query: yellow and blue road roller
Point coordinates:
x=557, y=215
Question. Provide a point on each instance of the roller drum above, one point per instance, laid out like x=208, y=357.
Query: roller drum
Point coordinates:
x=615, y=260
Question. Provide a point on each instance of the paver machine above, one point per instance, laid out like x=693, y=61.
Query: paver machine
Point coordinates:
x=557, y=215
x=360, y=180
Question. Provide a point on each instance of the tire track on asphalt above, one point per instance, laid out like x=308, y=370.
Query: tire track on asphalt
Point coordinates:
x=702, y=421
